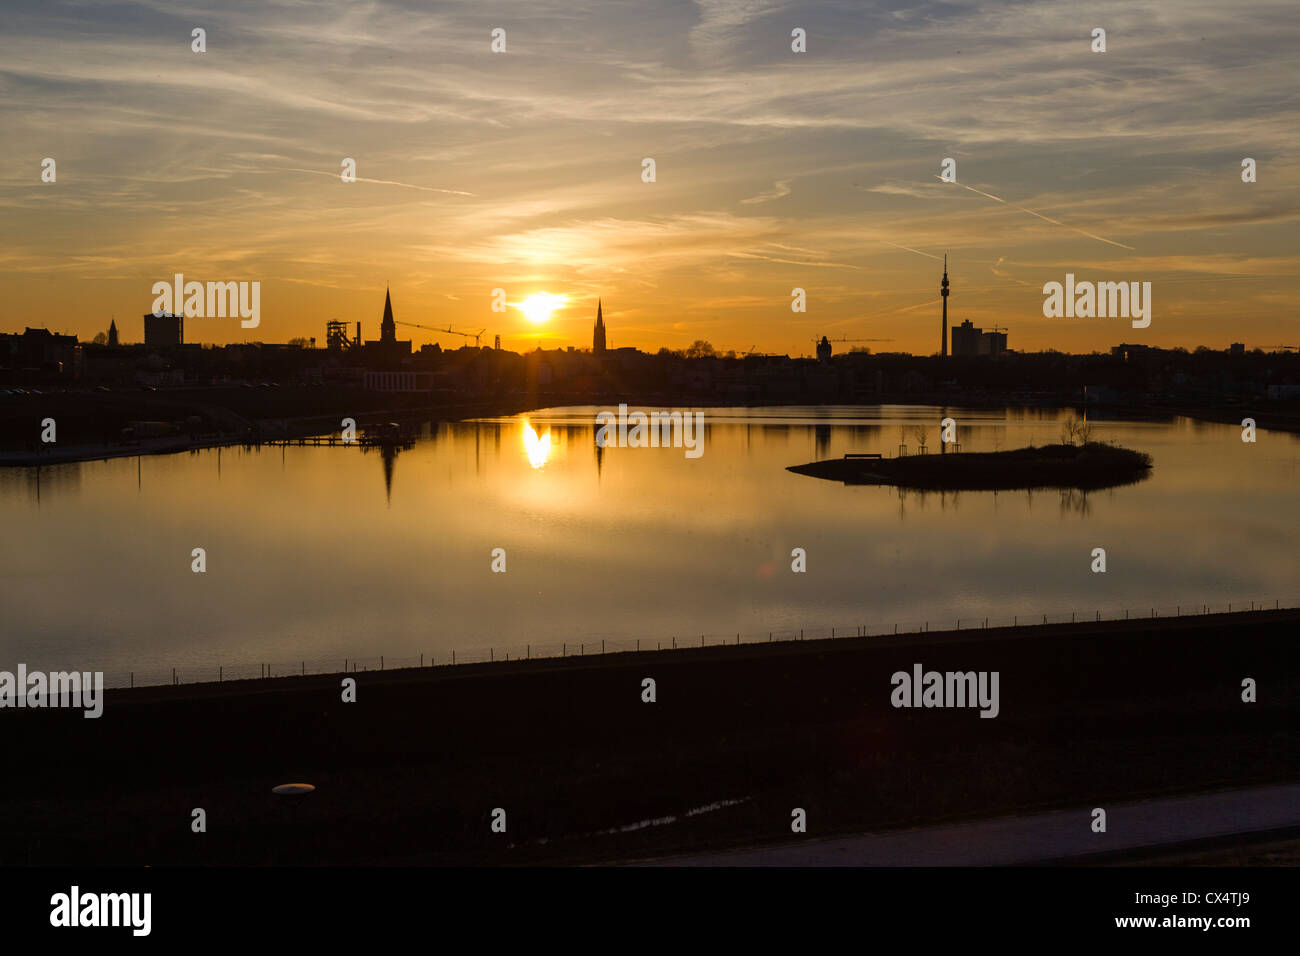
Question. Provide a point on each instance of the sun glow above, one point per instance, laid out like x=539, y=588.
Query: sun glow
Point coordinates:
x=537, y=308
x=537, y=449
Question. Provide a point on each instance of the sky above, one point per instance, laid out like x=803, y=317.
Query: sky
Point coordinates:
x=774, y=170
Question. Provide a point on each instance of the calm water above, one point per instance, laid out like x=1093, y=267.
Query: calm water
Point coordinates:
x=322, y=554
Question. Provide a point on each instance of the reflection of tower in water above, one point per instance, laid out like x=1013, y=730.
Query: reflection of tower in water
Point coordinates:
x=389, y=454
x=822, y=439
x=51, y=478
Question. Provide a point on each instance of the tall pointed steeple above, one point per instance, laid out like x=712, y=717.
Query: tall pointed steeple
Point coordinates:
x=388, y=328
x=598, y=337
x=112, y=333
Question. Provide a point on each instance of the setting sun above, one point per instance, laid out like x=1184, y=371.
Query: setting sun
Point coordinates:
x=537, y=308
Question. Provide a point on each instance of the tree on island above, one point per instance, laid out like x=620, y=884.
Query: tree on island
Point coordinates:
x=1073, y=430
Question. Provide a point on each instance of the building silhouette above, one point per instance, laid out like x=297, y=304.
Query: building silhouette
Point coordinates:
x=389, y=348
x=967, y=340
x=39, y=349
x=112, y=334
x=824, y=350
x=163, y=331
x=598, y=336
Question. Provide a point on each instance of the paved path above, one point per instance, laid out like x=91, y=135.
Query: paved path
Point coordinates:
x=1041, y=837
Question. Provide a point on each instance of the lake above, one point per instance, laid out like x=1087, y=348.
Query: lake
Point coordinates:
x=315, y=556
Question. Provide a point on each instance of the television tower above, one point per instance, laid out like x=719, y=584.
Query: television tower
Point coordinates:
x=943, y=291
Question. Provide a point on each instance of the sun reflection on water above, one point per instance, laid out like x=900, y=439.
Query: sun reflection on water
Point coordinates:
x=537, y=449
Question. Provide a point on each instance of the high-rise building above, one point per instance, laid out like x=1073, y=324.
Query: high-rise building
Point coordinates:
x=824, y=350
x=162, y=331
x=967, y=339
x=598, y=336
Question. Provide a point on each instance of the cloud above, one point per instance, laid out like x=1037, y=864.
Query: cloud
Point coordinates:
x=780, y=189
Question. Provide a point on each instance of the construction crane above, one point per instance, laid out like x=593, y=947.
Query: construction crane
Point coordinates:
x=1282, y=347
x=842, y=338
x=449, y=330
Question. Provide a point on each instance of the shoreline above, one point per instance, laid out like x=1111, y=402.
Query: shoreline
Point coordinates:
x=277, y=429
x=589, y=772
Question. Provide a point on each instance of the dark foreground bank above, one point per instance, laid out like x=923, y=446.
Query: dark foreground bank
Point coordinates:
x=586, y=771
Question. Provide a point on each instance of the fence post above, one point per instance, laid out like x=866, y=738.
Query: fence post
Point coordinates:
x=381, y=661
x=173, y=675
x=132, y=678
x=492, y=653
x=218, y=674
x=453, y=657
x=304, y=668
x=421, y=659
x=602, y=645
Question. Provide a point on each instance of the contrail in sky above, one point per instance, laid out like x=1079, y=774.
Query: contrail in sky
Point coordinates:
x=1054, y=222
x=908, y=248
x=382, y=182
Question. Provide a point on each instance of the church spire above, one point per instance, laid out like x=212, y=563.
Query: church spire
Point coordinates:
x=598, y=336
x=387, y=328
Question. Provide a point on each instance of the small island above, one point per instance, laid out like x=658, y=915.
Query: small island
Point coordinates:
x=1087, y=467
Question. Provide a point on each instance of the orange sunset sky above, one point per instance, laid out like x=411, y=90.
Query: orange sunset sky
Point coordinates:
x=522, y=170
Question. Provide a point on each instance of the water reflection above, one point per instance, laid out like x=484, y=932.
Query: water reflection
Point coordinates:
x=538, y=449
x=623, y=543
